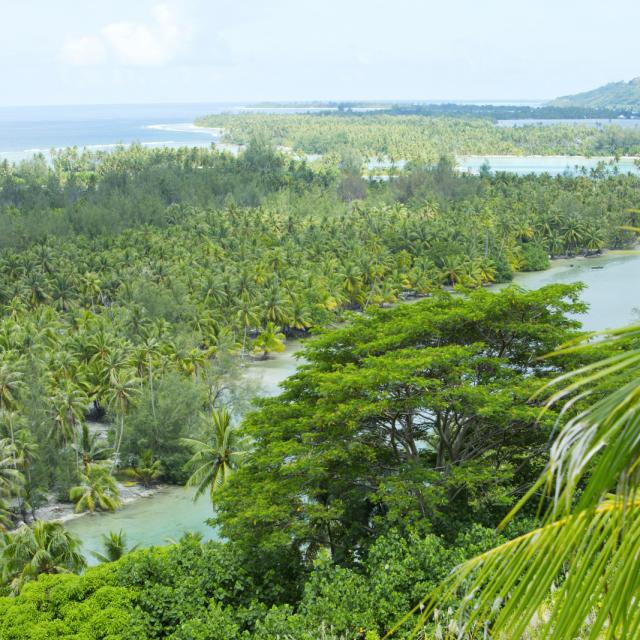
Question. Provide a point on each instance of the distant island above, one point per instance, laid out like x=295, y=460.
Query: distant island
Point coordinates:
x=615, y=95
x=564, y=108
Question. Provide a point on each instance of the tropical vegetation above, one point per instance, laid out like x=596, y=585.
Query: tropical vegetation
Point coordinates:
x=136, y=286
x=396, y=138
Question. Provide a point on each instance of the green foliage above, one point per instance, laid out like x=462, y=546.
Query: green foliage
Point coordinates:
x=416, y=415
x=269, y=340
x=534, y=258
x=114, y=545
x=145, y=324
x=216, y=458
x=131, y=285
x=217, y=623
x=177, y=584
x=97, y=490
x=44, y=547
x=73, y=607
x=421, y=138
x=213, y=591
x=574, y=576
x=157, y=423
x=147, y=470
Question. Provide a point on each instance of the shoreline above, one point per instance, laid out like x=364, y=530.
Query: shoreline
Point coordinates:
x=63, y=512
x=546, y=155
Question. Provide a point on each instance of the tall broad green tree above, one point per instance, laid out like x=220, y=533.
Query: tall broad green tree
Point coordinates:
x=416, y=416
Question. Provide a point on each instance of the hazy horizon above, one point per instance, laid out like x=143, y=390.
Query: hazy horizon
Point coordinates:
x=191, y=51
x=254, y=103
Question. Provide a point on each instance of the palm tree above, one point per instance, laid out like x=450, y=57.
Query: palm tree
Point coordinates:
x=576, y=575
x=192, y=361
x=573, y=234
x=114, y=545
x=248, y=315
x=217, y=457
x=593, y=239
x=11, y=383
x=269, y=339
x=92, y=447
x=11, y=422
x=352, y=282
x=300, y=317
x=11, y=478
x=275, y=306
x=64, y=292
x=24, y=452
x=147, y=354
x=486, y=270
x=147, y=471
x=98, y=489
x=45, y=547
x=453, y=269
x=122, y=390
x=36, y=287
x=69, y=404
x=91, y=288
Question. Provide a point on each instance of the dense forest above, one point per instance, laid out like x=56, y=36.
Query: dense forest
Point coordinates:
x=135, y=285
x=420, y=138
x=387, y=461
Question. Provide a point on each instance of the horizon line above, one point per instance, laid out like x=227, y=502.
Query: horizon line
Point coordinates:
x=389, y=101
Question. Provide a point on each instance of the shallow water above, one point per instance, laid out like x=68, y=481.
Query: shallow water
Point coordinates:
x=612, y=292
x=585, y=122
x=553, y=165
x=270, y=373
x=154, y=520
x=170, y=513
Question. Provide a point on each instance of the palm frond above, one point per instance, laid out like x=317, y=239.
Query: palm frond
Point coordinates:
x=580, y=557
x=576, y=575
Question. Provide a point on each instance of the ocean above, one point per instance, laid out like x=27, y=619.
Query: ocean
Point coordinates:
x=25, y=131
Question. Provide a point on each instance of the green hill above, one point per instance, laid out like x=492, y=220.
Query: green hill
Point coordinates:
x=615, y=95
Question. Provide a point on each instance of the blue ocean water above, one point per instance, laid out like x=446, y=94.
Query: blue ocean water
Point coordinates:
x=28, y=130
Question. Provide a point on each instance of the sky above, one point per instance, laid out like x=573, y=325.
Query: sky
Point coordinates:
x=178, y=51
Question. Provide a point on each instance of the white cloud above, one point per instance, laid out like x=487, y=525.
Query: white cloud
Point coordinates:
x=140, y=44
x=84, y=51
x=133, y=43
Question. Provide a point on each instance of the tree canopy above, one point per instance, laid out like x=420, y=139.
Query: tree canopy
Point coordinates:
x=416, y=416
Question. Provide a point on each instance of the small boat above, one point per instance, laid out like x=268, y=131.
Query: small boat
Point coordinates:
x=598, y=267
